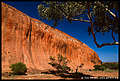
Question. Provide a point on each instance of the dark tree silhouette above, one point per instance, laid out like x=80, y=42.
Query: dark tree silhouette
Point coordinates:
x=103, y=16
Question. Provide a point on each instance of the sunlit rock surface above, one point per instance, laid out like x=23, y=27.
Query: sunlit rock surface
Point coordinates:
x=32, y=42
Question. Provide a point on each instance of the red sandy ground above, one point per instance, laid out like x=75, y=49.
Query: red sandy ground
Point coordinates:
x=94, y=74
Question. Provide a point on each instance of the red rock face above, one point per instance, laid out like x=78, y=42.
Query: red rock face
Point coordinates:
x=32, y=42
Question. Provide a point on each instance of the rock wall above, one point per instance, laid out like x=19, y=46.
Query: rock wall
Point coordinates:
x=32, y=42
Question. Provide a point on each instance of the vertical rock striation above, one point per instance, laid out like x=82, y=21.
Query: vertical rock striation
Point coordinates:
x=32, y=42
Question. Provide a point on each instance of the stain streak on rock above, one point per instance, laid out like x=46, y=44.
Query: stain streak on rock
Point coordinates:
x=32, y=42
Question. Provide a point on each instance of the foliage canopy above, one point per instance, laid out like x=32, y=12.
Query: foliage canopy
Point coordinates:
x=60, y=64
x=18, y=68
x=103, y=16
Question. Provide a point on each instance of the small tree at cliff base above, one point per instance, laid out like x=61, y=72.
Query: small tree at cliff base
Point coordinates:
x=18, y=68
x=60, y=64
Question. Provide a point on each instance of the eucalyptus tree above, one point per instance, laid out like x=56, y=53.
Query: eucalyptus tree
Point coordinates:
x=103, y=16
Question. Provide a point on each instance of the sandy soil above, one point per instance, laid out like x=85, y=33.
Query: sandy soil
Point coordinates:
x=85, y=74
x=102, y=74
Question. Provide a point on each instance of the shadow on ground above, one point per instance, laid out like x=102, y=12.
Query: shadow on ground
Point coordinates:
x=76, y=76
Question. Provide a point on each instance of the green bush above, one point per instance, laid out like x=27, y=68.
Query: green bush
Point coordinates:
x=104, y=66
x=18, y=68
x=111, y=65
x=60, y=64
x=99, y=67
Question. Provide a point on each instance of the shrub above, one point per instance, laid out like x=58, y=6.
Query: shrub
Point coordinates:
x=18, y=68
x=106, y=66
x=60, y=64
x=99, y=67
x=111, y=65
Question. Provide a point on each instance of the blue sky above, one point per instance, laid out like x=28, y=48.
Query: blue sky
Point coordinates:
x=77, y=29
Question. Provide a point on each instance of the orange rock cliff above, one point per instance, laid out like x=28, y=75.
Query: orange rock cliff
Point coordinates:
x=28, y=40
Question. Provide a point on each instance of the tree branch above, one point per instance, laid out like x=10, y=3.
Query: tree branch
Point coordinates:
x=106, y=44
x=91, y=23
x=113, y=36
x=67, y=17
x=80, y=20
x=110, y=12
